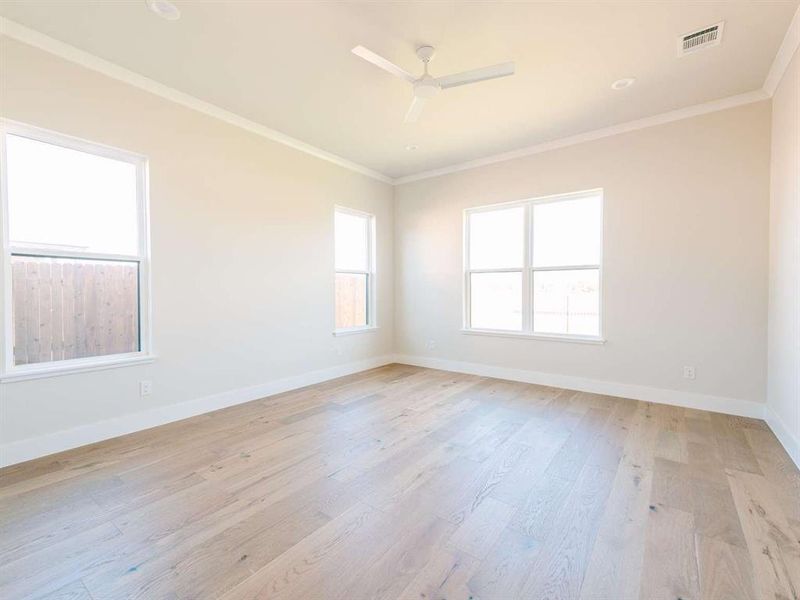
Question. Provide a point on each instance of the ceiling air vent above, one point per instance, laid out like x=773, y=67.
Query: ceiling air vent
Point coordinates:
x=700, y=39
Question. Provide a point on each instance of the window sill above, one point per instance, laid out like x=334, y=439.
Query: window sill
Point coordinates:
x=355, y=330
x=575, y=339
x=74, y=366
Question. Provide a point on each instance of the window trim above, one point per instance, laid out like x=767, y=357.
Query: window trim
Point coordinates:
x=527, y=270
x=10, y=372
x=370, y=272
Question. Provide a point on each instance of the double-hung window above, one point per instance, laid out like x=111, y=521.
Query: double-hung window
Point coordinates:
x=354, y=233
x=534, y=267
x=75, y=254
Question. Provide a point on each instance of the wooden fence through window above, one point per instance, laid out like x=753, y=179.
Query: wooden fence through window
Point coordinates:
x=65, y=308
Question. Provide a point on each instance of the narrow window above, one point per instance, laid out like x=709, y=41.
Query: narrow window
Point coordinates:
x=355, y=273
x=534, y=267
x=76, y=251
x=566, y=266
x=496, y=259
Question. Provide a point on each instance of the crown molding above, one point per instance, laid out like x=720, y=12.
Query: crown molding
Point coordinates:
x=791, y=41
x=44, y=42
x=667, y=117
x=786, y=51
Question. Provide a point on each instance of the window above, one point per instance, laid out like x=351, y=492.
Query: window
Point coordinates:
x=75, y=254
x=533, y=268
x=354, y=234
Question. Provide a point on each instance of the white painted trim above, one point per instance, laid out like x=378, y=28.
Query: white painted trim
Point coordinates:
x=528, y=269
x=355, y=330
x=78, y=365
x=44, y=42
x=731, y=406
x=28, y=449
x=574, y=339
x=8, y=370
x=668, y=117
x=791, y=41
x=789, y=441
x=371, y=271
x=48, y=44
x=719, y=404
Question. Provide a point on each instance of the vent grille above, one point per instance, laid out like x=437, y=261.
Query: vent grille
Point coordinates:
x=698, y=40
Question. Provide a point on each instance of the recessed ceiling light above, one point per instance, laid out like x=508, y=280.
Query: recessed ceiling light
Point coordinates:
x=621, y=84
x=164, y=9
x=412, y=147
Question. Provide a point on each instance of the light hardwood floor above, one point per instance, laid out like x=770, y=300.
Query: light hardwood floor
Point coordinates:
x=411, y=483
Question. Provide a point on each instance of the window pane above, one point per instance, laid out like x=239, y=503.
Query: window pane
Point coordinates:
x=496, y=301
x=496, y=238
x=67, y=308
x=351, y=300
x=567, y=302
x=352, y=248
x=567, y=233
x=69, y=199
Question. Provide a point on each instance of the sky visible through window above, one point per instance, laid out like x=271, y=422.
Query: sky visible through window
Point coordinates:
x=66, y=199
x=564, y=267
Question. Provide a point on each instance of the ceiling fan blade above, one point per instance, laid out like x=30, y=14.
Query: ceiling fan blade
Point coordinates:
x=476, y=75
x=379, y=61
x=415, y=110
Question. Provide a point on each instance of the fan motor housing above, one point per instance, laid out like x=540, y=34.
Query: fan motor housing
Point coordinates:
x=426, y=87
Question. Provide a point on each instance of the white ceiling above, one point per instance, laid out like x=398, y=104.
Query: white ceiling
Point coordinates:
x=288, y=66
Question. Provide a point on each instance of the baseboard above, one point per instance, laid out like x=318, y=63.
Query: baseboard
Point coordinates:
x=785, y=436
x=28, y=449
x=731, y=406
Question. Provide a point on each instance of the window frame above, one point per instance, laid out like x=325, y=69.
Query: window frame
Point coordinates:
x=528, y=271
x=8, y=370
x=370, y=272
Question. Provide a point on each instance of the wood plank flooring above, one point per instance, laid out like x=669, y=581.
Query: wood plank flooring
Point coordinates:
x=414, y=484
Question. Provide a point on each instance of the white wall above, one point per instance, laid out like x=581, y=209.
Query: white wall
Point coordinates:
x=242, y=239
x=685, y=259
x=685, y=262
x=784, y=265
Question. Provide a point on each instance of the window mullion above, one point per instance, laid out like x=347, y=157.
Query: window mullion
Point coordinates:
x=352, y=272
x=525, y=283
x=467, y=299
x=528, y=264
x=369, y=224
x=566, y=268
x=497, y=270
x=46, y=252
x=485, y=271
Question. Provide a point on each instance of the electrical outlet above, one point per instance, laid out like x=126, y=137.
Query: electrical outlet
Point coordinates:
x=431, y=345
x=145, y=387
x=688, y=372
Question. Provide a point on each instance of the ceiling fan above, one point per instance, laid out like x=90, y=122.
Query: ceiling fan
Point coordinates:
x=426, y=86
